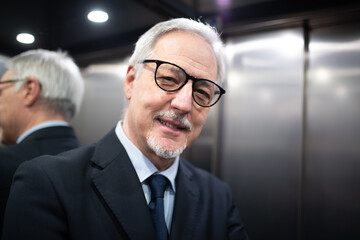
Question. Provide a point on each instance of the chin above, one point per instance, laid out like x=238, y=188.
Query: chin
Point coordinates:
x=165, y=150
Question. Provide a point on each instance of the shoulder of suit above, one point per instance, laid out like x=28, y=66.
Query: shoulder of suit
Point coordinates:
x=52, y=132
x=73, y=155
x=65, y=166
x=10, y=152
x=6, y=155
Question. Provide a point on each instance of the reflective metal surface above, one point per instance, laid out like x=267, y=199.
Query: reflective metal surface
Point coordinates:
x=104, y=101
x=332, y=179
x=262, y=130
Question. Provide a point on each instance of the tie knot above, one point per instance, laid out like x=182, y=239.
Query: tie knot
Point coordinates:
x=158, y=185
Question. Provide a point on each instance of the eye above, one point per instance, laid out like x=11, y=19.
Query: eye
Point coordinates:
x=167, y=81
x=169, y=77
x=204, y=91
x=202, y=94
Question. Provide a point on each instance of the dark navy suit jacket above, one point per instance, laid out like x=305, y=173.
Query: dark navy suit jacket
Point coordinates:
x=93, y=192
x=51, y=140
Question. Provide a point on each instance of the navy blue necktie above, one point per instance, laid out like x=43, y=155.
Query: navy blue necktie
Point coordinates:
x=158, y=185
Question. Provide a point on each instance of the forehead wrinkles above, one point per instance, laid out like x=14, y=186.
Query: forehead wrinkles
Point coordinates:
x=189, y=51
x=198, y=69
x=193, y=67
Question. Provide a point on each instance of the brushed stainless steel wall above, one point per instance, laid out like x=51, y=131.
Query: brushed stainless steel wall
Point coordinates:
x=262, y=130
x=332, y=167
x=103, y=103
x=291, y=132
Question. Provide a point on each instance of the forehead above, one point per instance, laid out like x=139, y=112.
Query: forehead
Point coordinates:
x=189, y=51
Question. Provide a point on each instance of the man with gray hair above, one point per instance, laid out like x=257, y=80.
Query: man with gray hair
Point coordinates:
x=39, y=94
x=133, y=184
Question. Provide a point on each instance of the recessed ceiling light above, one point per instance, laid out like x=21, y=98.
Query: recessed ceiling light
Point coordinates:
x=98, y=16
x=25, y=38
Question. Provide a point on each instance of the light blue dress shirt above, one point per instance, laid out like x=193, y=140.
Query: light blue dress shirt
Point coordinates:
x=144, y=169
x=41, y=126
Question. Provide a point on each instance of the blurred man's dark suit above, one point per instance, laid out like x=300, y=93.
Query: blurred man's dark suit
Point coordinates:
x=93, y=192
x=50, y=140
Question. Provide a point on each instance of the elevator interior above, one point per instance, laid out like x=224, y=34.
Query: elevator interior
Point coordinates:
x=285, y=137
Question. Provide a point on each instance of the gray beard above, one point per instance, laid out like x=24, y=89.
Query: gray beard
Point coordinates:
x=162, y=151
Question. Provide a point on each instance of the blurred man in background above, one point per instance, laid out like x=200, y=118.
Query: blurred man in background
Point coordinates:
x=3, y=69
x=39, y=94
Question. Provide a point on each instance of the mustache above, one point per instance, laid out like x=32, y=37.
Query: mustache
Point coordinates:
x=175, y=117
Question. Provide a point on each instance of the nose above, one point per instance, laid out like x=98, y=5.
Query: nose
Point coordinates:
x=183, y=98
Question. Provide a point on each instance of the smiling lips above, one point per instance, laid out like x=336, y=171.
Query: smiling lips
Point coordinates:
x=173, y=124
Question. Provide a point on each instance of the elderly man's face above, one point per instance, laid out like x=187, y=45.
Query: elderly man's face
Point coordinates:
x=164, y=123
x=9, y=110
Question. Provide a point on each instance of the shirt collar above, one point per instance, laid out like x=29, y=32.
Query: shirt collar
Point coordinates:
x=41, y=126
x=143, y=166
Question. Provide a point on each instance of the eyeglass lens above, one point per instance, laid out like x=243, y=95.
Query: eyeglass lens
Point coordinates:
x=171, y=78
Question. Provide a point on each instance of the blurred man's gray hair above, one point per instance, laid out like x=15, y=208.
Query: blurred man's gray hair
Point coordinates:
x=62, y=86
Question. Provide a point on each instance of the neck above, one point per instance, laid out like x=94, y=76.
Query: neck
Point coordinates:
x=161, y=163
x=39, y=118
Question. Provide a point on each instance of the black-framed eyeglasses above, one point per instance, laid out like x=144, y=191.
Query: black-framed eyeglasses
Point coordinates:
x=9, y=81
x=170, y=78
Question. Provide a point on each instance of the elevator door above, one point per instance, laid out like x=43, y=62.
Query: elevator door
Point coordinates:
x=262, y=130
x=332, y=161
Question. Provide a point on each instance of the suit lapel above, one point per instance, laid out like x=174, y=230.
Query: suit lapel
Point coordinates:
x=186, y=205
x=118, y=185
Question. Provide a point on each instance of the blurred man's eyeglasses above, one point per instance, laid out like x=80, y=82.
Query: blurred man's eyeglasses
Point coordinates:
x=170, y=78
x=9, y=81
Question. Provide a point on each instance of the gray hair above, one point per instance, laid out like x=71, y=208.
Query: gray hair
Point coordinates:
x=62, y=86
x=143, y=47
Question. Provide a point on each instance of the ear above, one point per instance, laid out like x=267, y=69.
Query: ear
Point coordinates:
x=31, y=89
x=129, y=81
